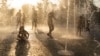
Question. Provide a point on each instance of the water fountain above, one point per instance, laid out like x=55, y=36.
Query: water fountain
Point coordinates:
x=66, y=52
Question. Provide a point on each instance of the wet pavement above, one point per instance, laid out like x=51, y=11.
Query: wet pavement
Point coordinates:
x=39, y=44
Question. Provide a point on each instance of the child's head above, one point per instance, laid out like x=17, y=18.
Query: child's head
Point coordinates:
x=21, y=28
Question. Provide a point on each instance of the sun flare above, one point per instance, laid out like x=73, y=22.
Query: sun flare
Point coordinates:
x=17, y=4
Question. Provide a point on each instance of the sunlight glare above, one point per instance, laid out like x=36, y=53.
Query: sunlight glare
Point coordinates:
x=54, y=2
x=96, y=3
x=18, y=4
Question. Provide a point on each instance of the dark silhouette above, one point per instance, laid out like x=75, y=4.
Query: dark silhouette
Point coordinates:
x=81, y=25
x=23, y=19
x=23, y=34
x=51, y=16
x=23, y=44
x=18, y=17
x=88, y=25
x=22, y=48
x=34, y=19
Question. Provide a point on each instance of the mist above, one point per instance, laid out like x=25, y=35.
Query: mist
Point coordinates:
x=55, y=27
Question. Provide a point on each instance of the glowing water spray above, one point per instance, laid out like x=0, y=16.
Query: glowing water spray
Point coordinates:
x=67, y=21
x=74, y=17
x=68, y=2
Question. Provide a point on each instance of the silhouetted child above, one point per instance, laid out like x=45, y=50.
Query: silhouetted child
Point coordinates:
x=23, y=34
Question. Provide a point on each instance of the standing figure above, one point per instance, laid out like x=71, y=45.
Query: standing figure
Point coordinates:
x=18, y=17
x=23, y=19
x=88, y=25
x=34, y=20
x=81, y=25
x=51, y=16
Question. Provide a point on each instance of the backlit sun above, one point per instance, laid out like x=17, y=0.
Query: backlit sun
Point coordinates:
x=17, y=4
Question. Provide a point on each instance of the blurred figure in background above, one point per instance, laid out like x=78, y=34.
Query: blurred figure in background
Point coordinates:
x=34, y=20
x=23, y=19
x=88, y=25
x=50, y=22
x=81, y=25
x=18, y=17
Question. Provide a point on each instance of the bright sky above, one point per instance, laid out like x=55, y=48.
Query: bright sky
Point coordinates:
x=54, y=1
x=19, y=3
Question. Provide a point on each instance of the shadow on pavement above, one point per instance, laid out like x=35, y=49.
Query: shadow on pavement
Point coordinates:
x=80, y=47
x=52, y=45
x=22, y=48
x=5, y=45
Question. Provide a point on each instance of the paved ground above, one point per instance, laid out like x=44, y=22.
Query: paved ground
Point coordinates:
x=41, y=45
